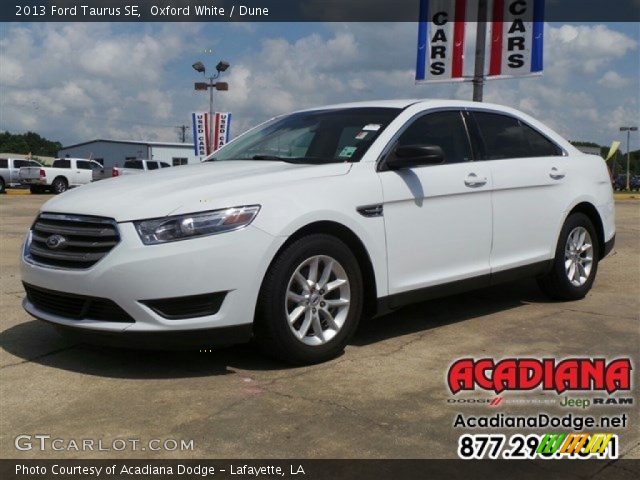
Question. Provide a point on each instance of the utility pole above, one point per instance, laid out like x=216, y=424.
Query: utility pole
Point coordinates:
x=221, y=67
x=628, y=130
x=182, y=132
x=481, y=37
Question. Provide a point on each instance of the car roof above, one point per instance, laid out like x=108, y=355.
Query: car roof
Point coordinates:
x=404, y=103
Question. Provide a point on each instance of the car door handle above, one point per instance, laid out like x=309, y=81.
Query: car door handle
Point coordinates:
x=472, y=180
x=556, y=173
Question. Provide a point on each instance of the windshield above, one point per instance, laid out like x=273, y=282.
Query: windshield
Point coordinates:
x=321, y=136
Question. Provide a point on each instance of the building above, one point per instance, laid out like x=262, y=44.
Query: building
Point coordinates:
x=115, y=152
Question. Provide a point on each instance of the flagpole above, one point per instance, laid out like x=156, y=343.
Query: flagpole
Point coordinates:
x=481, y=37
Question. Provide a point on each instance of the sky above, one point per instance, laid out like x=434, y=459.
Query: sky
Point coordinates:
x=74, y=82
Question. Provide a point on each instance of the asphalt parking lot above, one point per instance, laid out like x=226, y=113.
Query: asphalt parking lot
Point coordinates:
x=385, y=397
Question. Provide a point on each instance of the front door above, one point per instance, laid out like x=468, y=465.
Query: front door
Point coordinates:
x=437, y=218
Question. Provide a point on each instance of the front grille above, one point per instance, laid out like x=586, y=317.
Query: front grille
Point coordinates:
x=75, y=307
x=71, y=241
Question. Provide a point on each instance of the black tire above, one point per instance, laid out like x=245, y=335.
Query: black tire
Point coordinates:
x=2, y=187
x=271, y=326
x=556, y=283
x=59, y=185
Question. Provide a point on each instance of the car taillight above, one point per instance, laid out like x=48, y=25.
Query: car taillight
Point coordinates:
x=42, y=173
x=115, y=172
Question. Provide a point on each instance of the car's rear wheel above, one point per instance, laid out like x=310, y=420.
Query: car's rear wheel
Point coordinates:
x=576, y=261
x=36, y=189
x=310, y=302
x=59, y=185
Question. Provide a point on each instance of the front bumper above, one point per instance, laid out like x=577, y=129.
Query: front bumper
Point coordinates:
x=233, y=262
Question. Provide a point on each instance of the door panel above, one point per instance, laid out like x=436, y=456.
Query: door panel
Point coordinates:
x=529, y=185
x=437, y=218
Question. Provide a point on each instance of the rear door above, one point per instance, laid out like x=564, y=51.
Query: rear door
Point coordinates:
x=529, y=183
x=15, y=171
x=437, y=218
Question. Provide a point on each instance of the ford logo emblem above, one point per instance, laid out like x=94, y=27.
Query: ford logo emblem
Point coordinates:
x=56, y=241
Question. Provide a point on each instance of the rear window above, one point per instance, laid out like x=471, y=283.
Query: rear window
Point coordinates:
x=137, y=164
x=4, y=163
x=61, y=163
x=152, y=165
x=507, y=137
x=164, y=165
x=84, y=165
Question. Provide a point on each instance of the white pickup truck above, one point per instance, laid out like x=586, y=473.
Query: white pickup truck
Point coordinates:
x=63, y=174
x=10, y=171
x=138, y=166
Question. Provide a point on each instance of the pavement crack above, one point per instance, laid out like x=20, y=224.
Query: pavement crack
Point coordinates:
x=38, y=357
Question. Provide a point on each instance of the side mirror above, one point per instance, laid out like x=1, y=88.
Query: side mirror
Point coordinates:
x=408, y=156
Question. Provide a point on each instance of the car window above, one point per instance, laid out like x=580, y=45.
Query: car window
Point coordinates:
x=135, y=164
x=507, y=137
x=20, y=163
x=443, y=129
x=4, y=162
x=83, y=164
x=61, y=163
x=152, y=165
x=164, y=164
x=317, y=136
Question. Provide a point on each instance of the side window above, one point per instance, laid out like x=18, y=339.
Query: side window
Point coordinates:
x=164, y=165
x=506, y=137
x=152, y=165
x=444, y=129
x=4, y=163
x=83, y=165
x=20, y=163
x=61, y=163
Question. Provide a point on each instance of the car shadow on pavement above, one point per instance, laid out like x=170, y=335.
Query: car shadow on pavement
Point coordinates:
x=38, y=342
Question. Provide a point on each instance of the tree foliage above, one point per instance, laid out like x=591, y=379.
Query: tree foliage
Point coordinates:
x=30, y=142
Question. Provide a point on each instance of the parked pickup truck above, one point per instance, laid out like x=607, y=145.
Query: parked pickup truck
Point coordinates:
x=138, y=166
x=63, y=174
x=10, y=171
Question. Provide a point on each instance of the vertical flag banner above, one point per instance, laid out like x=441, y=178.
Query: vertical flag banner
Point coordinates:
x=441, y=33
x=200, y=131
x=221, y=129
x=516, y=34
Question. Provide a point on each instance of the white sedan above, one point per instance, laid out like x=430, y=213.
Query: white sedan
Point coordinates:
x=298, y=228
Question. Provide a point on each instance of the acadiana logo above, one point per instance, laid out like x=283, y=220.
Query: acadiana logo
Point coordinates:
x=572, y=374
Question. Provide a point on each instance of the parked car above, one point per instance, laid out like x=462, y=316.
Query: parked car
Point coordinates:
x=10, y=171
x=388, y=203
x=138, y=166
x=63, y=174
x=620, y=182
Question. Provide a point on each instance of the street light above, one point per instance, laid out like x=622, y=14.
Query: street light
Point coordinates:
x=628, y=130
x=199, y=67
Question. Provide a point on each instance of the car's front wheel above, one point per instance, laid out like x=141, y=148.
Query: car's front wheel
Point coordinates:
x=576, y=261
x=310, y=302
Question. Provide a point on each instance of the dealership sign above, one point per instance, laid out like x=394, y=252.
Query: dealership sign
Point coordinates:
x=202, y=144
x=514, y=32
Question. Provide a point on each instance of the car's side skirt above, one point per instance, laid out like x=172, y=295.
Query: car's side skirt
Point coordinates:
x=392, y=302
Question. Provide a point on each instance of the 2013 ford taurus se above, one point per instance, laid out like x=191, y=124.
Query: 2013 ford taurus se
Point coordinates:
x=298, y=228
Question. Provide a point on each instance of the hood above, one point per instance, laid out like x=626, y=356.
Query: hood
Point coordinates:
x=185, y=189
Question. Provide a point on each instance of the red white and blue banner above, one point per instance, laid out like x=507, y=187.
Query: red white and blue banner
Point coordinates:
x=441, y=33
x=221, y=129
x=202, y=144
x=200, y=129
x=514, y=45
x=516, y=38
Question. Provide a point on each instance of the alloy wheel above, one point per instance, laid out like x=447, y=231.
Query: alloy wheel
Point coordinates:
x=578, y=256
x=317, y=300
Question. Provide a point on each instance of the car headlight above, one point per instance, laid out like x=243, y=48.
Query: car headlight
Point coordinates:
x=182, y=227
